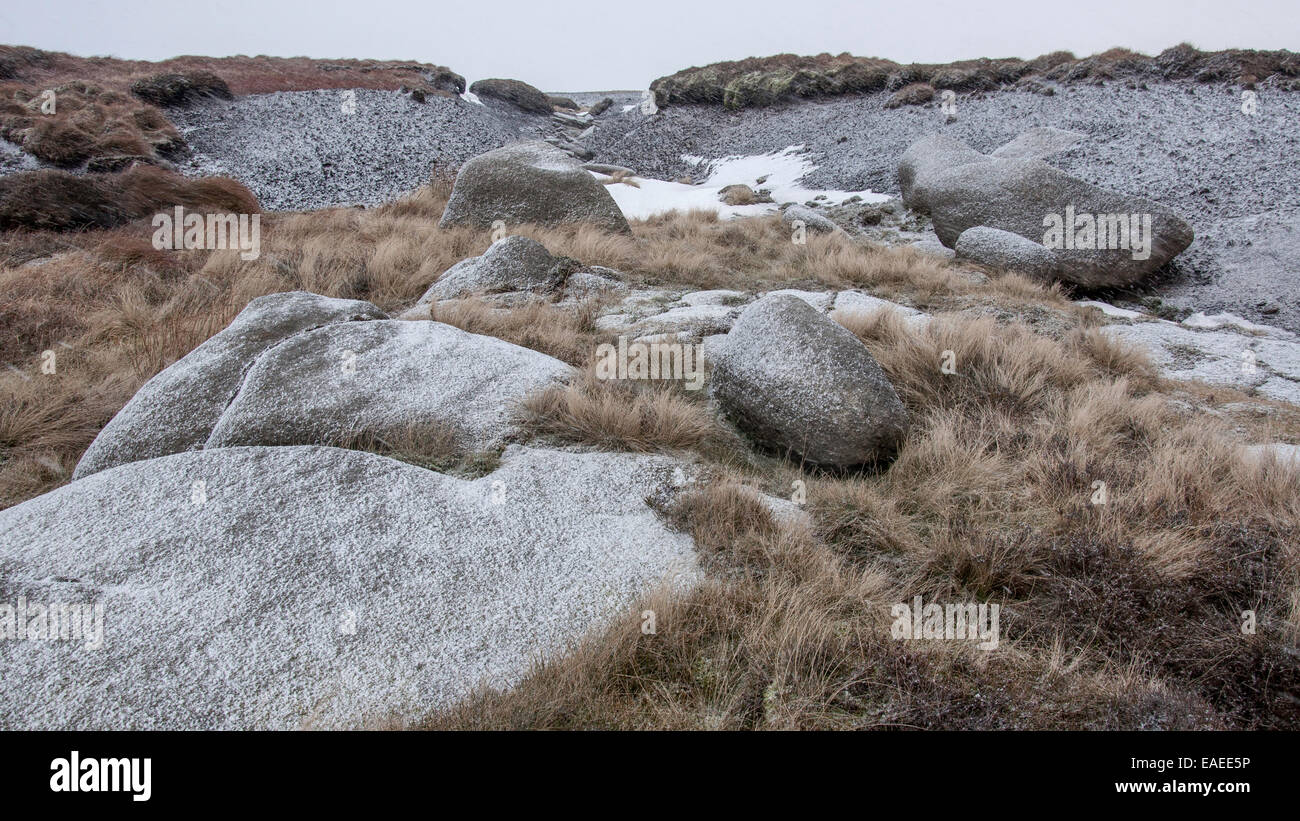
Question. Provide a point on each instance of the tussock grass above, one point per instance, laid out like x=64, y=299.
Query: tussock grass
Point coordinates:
x=625, y=415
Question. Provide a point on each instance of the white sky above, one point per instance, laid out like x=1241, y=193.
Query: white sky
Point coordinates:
x=579, y=45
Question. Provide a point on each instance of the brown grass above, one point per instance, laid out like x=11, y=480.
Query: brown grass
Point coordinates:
x=626, y=415
x=62, y=201
x=88, y=121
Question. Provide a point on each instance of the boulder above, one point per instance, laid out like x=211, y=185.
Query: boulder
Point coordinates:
x=514, y=92
x=310, y=587
x=383, y=378
x=1039, y=143
x=798, y=382
x=529, y=182
x=1003, y=249
x=510, y=264
x=813, y=221
x=177, y=409
x=960, y=188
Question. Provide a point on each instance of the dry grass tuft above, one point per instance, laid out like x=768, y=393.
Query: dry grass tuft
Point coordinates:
x=625, y=415
x=87, y=121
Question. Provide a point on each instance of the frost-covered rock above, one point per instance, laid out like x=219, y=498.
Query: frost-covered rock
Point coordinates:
x=1219, y=357
x=856, y=302
x=594, y=280
x=813, y=221
x=510, y=264
x=176, y=410
x=796, y=381
x=530, y=182
x=718, y=296
x=1039, y=143
x=961, y=188
x=283, y=588
x=382, y=378
x=1003, y=249
x=821, y=300
x=694, y=319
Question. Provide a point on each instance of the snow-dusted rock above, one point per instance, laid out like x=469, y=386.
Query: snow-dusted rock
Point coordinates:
x=1008, y=251
x=1219, y=357
x=719, y=296
x=694, y=319
x=383, y=377
x=796, y=381
x=594, y=280
x=856, y=302
x=1039, y=143
x=282, y=588
x=821, y=300
x=1109, y=310
x=175, y=411
x=815, y=223
x=529, y=182
x=510, y=264
x=1280, y=452
x=961, y=188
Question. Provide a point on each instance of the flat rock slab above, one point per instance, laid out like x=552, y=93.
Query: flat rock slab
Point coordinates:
x=1219, y=357
x=292, y=587
x=383, y=377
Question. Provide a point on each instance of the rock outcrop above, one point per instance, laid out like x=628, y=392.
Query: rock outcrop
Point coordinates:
x=530, y=182
x=310, y=587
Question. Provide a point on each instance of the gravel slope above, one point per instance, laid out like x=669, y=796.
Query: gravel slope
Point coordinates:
x=298, y=150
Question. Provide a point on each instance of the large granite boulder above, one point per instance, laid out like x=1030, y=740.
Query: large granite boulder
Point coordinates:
x=177, y=409
x=382, y=378
x=798, y=382
x=530, y=182
x=1101, y=238
x=310, y=587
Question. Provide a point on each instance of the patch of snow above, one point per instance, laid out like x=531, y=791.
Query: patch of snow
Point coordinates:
x=1110, y=310
x=780, y=171
x=1201, y=321
x=471, y=97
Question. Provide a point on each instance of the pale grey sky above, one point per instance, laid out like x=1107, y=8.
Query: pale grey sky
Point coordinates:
x=579, y=45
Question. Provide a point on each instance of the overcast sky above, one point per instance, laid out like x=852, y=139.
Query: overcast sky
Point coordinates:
x=584, y=45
